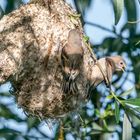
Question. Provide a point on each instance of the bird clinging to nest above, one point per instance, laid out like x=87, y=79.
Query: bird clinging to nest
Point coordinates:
x=72, y=58
x=109, y=65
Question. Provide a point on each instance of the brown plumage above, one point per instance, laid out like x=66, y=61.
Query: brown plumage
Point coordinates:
x=109, y=65
x=72, y=58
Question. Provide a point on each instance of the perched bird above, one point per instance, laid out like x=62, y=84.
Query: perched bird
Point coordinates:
x=72, y=58
x=109, y=65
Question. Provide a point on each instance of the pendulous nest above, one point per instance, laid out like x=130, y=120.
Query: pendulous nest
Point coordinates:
x=31, y=40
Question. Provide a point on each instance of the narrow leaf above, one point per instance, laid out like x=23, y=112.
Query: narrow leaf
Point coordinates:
x=118, y=8
x=127, y=92
x=135, y=101
x=95, y=132
x=134, y=22
x=132, y=111
x=127, y=129
x=97, y=127
x=137, y=109
x=117, y=112
x=137, y=43
x=109, y=96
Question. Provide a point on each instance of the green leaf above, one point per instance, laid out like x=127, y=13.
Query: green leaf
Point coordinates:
x=105, y=125
x=6, y=130
x=86, y=38
x=107, y=113
x=137, y=43
x=137, y=109
x=135, y=101
x=95, y=126
x=117, y=112
x=127, y=129
x=8, y=114
x=134, y=22
x=127, y=92
x=131, y=13
x=82, y=5
x=132, y=111
x=118, y=8
x=32, y=122
x=97, y=112
x=95, y=132
x=109, y=97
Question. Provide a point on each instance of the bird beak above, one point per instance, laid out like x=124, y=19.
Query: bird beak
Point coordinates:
x=123, y=68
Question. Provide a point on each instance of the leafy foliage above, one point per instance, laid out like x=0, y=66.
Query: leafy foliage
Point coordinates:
x=105, y=110
x=127, y=129
x=118, y=8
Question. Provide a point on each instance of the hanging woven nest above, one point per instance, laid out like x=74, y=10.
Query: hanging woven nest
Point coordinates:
x=31, y=40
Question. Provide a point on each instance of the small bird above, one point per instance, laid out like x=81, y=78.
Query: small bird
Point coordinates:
x=72, y=58
x=109, y=65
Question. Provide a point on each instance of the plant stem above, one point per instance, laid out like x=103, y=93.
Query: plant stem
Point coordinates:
x=115, y=97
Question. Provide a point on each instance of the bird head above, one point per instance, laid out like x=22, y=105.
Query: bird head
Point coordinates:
x=117, y=63
x=120, y=66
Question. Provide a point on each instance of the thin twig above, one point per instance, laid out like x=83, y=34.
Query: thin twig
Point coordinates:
x=99, y=26
x=44, y=135
x=61, y=132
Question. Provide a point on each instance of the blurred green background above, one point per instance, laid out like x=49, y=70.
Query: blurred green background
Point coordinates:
x=97, y=118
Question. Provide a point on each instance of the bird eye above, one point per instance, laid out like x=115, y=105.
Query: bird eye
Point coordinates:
x=121, y=63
